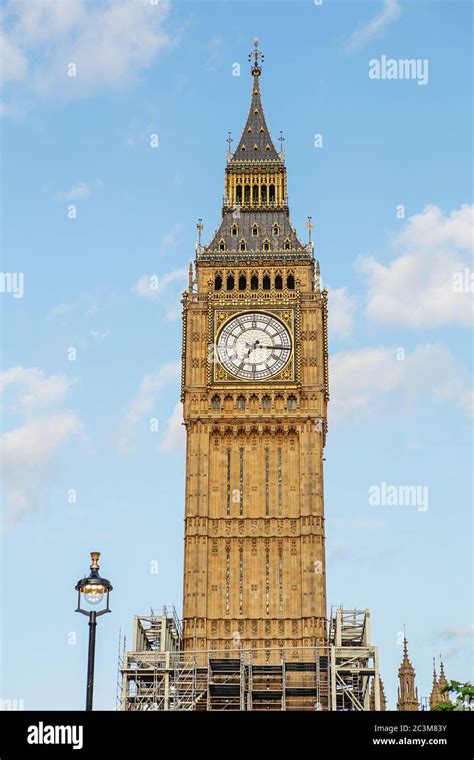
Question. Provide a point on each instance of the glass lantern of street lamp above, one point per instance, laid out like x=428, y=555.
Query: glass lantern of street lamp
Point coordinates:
x=91, y=590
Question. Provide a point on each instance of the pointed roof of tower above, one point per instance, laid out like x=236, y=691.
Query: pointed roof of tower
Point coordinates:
x=407, y=691
x=443, y=682
x=255, y=143
x=435, y=696
x=406, y=666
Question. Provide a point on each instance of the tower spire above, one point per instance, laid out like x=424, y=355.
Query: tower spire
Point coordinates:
x=435, y=696
x=255, y=214
x=443, y=683
x=256, y=145
x=407, y=691
x=257, y=57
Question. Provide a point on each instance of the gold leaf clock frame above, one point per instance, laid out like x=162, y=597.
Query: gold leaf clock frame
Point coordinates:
x=221, y=312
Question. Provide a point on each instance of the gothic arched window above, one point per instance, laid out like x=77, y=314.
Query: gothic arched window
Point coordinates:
x=242, y=281
x=230, y=281
x=216, y=402
x=266, y=403
x=291, y=402
x=254, y=281
x=218, y=281
x=266, y=281
x=278, y=281
x=290, y=282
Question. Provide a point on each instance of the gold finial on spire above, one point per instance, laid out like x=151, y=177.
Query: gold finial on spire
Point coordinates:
x=229, y=142
x=281, y=140
x=199, y=227
x=258, y=57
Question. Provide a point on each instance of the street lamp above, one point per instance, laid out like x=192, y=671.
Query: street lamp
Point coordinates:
x=90, y=593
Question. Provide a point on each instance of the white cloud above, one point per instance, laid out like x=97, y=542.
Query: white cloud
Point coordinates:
x=363, y=33
x=174, y=437
x=418, y=288
x=341, y=312
x=172, y=238
x=59, y=310
x=150, y=386
x=26, y=453
x=458, y=637
x=152, y=286
x=98, y=335
x=359, y=379
x=29, y=449
x=34, y=389
x=14, y=64
x=80, y=190
x=87, y=306
x=214, y=53
x=109, y=42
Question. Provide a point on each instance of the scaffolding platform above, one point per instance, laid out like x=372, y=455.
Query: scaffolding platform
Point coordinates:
x=341, y=675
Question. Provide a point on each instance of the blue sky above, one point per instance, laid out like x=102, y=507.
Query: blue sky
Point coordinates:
x=91, y=356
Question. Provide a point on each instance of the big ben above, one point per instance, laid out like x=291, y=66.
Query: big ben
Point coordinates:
x=254, y=392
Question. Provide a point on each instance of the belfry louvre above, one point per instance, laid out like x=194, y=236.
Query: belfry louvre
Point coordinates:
x=255, y=634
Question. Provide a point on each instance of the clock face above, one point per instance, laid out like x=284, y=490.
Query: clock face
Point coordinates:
x=254, y=346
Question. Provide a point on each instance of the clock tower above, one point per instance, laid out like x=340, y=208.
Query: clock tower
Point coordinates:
x=255, y=392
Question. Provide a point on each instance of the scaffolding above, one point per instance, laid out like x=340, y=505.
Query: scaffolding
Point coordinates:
x=157, y=675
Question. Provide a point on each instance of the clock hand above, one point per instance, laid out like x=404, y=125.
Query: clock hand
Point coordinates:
x=252, y=348
x=281, y=348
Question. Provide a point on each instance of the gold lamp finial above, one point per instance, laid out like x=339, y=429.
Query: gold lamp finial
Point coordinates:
x=257, y=58
x=95, y=560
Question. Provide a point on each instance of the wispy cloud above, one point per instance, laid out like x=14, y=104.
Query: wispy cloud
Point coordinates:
x=28, y=450
x=87, y=306
x=418, y=288
x=457, y=638
x=342, y=308
x=214, y=51
x=361, y=379
x=68, y=50
x=172, y=238
x=144, y=402
x=33, y=389
x=174, y=436
x=151, y=286
x=363, y=33
x=77, y=191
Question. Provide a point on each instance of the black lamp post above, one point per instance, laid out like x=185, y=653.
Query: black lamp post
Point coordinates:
x=90, y=592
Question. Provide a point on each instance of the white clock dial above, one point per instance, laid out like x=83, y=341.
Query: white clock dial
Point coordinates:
x=254, y=346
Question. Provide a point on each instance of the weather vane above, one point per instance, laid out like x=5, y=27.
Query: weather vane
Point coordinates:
x=281, y=140
x=229, y=142
x=310, y=226
x=199, y=227
x=257, y=57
